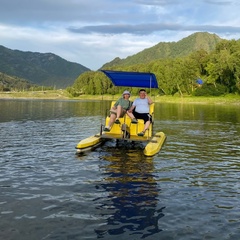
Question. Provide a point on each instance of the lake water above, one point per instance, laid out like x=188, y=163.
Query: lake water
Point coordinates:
x=189, y=190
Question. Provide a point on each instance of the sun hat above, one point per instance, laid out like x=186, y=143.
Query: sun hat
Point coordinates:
x=126, y=92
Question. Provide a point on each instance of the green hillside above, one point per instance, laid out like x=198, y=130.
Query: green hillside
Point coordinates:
x=201, y=65
x=12, y=83
x=166, y=50
x=47, y=69
x=44, y=69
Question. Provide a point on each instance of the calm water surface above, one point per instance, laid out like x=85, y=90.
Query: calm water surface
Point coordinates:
x=189, y=190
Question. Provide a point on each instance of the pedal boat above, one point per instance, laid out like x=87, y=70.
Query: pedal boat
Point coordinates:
x=127, y=131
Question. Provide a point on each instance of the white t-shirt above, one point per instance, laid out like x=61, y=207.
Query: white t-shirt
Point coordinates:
x=142, y=105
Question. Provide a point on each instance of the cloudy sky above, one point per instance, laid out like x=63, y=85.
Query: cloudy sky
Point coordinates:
x=93, y=32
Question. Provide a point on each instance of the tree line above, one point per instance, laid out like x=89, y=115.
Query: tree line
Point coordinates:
x=218, y=70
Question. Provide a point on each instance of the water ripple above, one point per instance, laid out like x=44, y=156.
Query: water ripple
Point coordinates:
x=190, y=190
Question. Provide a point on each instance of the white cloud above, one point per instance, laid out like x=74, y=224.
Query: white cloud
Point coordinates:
x=94, y=32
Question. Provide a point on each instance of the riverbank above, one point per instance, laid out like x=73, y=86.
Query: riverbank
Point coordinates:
x=63, y=94
x=51, y=94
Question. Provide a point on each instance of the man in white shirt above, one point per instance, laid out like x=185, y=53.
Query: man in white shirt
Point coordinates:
x=140, y=110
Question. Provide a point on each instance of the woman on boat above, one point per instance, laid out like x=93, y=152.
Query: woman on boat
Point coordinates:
x=140, y=110
x=118, y=110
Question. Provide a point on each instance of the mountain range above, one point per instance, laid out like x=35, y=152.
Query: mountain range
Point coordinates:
x=45, y=69
x=48, y=69
x=164, y=50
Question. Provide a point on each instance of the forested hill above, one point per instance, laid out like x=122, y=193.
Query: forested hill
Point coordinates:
x=12, y=83
x=44, y=69
x=164, y=50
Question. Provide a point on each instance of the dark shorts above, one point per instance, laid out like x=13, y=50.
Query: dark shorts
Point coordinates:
x=145, y=116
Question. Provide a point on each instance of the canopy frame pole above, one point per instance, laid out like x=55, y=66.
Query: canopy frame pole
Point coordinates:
x=151, y=85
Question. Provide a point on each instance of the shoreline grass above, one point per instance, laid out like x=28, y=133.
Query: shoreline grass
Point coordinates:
x=64, y=95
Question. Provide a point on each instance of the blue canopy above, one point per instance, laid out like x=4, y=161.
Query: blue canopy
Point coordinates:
x=132, y=79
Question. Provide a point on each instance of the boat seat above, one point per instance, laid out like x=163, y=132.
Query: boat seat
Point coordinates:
x=134, y=129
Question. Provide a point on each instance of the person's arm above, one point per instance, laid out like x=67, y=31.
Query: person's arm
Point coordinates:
x=131, y=108
x=129, y=105
x=150, y=101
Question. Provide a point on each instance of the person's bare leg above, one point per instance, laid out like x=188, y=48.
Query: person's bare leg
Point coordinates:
x=111, y=120
x=146, y=126
x=134, y=120
x=119, y=111
x=130, y=115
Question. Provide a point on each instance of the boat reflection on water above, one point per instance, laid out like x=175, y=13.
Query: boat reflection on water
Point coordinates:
x=130, y=204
